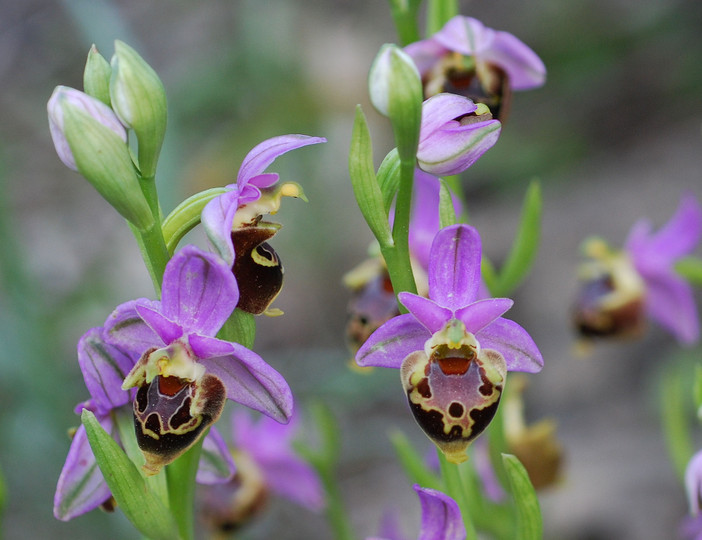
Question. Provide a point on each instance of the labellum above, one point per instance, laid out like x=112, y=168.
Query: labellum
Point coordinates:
x=257, y=267
x=453, y=388
x=170, y=415
x=610, y=301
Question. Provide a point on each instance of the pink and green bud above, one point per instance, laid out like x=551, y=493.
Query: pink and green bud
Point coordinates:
x=139, y=99
x=90, y=139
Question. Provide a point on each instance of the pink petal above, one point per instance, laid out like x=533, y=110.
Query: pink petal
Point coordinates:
x=216, y=463
x=432, y=316
x=441, y=517
x=217, y=219
x=263, y=154
x=670, y=301
x=454, y=267
x=199, y=291
x=392, y=342
x=523, y=66
x=513, y=343
x=478, y=315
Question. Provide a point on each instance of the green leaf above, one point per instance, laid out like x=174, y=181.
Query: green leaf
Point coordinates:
x=674, y=416
x=690, y=268
x=529, y=523
x=525, y=245
x=146, y=511
x=186, y=216
x=413, y=463
x=364, y=181
x=489, y=275
x=389, y=178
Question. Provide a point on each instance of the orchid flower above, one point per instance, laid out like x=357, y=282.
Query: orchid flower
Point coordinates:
x=453, y=350
x=81, y=485
x=232, y=222
x=184, y=373
x=267, y=462
x=454, y=133
x=467, y=58
x=621, y=288
x=441, y=518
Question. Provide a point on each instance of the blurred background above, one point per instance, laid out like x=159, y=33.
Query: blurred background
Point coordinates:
x=614, y=135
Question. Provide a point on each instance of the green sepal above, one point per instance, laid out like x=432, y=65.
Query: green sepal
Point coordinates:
x=413, y=463
x=103, y=159
x=690, y=268
x=525, y=245
x=439, y=12
x=529, y=522
x=186, y=217
x=404, y=14
x=139, y=100
x=141, y=506
x=96, y=76
x=240, y=328
x=447, y=212
x=364, y=182
x=389, y=178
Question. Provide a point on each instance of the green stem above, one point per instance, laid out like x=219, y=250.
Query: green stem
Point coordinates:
x=151, y=242
x=181, y=489
x=397, y=257
x=335, y=510
x=455, y=489
x=438, y=14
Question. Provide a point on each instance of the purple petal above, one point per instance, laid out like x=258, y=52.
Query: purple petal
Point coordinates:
x=392, y=342
x=217, y=219
x=465, y=35
x=523, y=66
x=126, y=329
x=432, y=316
x=454, y=148
x=81, y=486
x=216, y=463
x=264, y=180
x=441, y=517
x=167, y=330
x=251, y=381
x=263, y=154
x=478, y=315
x=679, y=237
x=292, y=478
x=513, y=343
x=199, y=291
x=670, y=301
x=104, y=367
x=425, y=54
x=270, y=445
x=454, y=267
x=440, y=109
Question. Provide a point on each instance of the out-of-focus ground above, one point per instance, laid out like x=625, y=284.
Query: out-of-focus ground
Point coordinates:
x=613, y=136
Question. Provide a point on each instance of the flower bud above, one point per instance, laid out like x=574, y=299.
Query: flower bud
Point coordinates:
x=62, y=96
x=455, y=133
x=139, y=99
x=89, y=139
x=96, y=77
x=396, y=91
